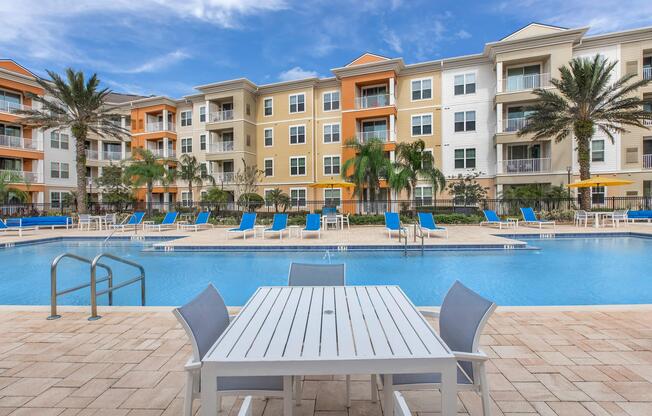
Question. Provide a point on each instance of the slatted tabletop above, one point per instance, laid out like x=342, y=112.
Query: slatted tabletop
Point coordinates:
x=291, y=331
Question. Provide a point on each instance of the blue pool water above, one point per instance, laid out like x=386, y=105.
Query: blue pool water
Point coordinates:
x=564, y=271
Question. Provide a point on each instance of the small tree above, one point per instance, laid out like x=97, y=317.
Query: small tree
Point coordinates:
x=246, y=180
x=466, y=190
x=215, y=196
x=412, y=163
x=115, y=187
x=251, y=201
x=278, y=198
x=145, y=170
x=8, y=190
x=190, y=170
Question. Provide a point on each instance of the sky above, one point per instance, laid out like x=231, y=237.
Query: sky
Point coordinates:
x=166, y=47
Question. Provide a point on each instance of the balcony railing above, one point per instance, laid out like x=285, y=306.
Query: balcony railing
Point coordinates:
x=224, y=177
x=221, y=147
x=29, y=177
x=647, y=122
x=12, y=107
x=109, y=155
x=158, y=126
x=92, y=154
x=647, y=72
x=217, y=116
x=161, y=153
x=19, y=142
x=526, y=165
x=365, y=136
x=372, y=101
x=515, y=124
x=526, y=82
x=647, y=161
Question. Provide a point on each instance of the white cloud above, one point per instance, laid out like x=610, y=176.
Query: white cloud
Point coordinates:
x=296, y=73
x=157, y=62
x=462, y=34
x=393, y=41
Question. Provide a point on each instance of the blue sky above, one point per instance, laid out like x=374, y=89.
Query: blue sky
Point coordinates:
x=167, y=47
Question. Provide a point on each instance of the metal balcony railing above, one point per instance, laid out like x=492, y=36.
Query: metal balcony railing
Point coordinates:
x=224, y=177
x=647, y=122
x=526, y=165
x=365, y=136
x=19, y=143
x=92, y=154
x=161, y=153
x=109, y=155
x=12, y=107
x=647, y=72
x=217, y=116
x=30, y=177
x=221, y=147
x=158, y=126
x=525, y=82
x=514, y=124
x=372, y=101
x=647, y=161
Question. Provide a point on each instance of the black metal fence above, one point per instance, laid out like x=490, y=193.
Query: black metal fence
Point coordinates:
x=439, y=206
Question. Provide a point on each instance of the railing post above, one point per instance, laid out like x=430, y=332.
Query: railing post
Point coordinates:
x=110, y=283
x=142, y=288
x=53, y=293
x=94, y=315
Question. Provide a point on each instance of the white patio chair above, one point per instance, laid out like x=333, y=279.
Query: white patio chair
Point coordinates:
x=581, y=215
x=204, y=319
x=345, y=219
x=303, y=274
x=85, y=221
x=110, y=219
x=618, y=216
x=462, y=317
x=331, y=219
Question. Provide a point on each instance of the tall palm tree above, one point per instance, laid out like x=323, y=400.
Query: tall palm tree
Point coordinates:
x=413, y=163
x=190, y=170
x=145, y=170
x=80, y=105
x=586, y=101
x=7, y=190
x=367, y=167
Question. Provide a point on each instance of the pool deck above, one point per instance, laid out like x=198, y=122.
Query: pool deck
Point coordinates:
x=589, y=361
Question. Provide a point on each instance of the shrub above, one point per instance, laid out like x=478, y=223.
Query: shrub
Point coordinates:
x=560, y=215
x=251, y=201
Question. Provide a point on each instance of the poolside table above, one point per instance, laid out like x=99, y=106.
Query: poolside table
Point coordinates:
x=299, y=331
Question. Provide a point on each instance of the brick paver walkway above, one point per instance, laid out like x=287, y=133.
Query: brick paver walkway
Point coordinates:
x=595, y=362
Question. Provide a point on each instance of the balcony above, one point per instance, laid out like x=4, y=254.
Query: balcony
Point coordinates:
x=520, y=166
x=526, y=82
x=513, y=125
x=647, y=72
x=19, y=143
x=221, y=147
x=219, y=116
x=365, y=136
x=158, y=126
x=160, y=153
x=27, y=177
x=373, y=101
x=224, y=177
x=108, y=155
x=92, y=154
x=647, y=122
x=647, y=161
x=12, y=107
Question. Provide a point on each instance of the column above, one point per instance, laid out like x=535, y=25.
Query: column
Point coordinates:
x=208, y=111
x=165, y=120
x=165, y=147
x=392, y=128
x=499, y=190
x=100, y=150
x=40, y=170
x=499, y=77
x=499, y=158
x=391, y=91
x=499, y=118
x=123, y=150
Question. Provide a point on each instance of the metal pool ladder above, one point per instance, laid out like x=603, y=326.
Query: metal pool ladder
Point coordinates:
x=93, y=281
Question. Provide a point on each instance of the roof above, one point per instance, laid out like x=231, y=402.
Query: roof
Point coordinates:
x=120, y=98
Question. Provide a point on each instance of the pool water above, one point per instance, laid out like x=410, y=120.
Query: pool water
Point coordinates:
x=563, y=271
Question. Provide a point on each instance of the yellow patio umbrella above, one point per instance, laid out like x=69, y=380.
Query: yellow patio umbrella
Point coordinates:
x=600, y=181
x=332, y=183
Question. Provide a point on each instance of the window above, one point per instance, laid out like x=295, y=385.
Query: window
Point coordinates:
x=269, y=137
x=332, y=197
x=465, y=158
x=54, y=140
x=421, y=89
x=332, y=133
x=298, y=197
x=465, y=84
x=297, y=134
x=298, y=166
x=203, y=167
x=59, y=170
x=202, y=142
x=523, y=78
x=268, y=201
x=331, y=101
x=597, y=195
x=428, y=160
x=597, y=151
x=331, y=165
x=465, y=121
x=186, y=118
x=267, y=105
x=185, y=199
x=248, y=140
x=248, y=109
x=423, y=195
x=422, y=125
x=59, y=140
x=202, y=114
x=186, y=145
x=269, y=168
x=297, y=103
x=55, y=199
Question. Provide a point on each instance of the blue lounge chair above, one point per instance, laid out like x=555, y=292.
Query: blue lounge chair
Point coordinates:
x=14, y=228
x=530, y=218
x=313, y=225
x=246, y=225
x=134, y=221
x=168, y=223
x=393, y=224
x=427, y=225
x=200, y=222
x=279, y=225
x=491, y=218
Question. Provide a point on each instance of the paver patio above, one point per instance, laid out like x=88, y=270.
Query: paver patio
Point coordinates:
x=547, y=361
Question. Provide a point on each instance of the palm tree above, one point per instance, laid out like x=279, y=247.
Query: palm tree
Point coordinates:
x=81, y=106
x=277, y=198
x=367, y=167
x=145, y=170
x=7, y=190
x=412, y=163
x=190, y=170
x=586, y=101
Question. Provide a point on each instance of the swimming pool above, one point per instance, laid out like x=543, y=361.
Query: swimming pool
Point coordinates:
x=561, y=271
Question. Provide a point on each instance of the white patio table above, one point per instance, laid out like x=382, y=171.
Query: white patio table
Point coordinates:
x=299, y=331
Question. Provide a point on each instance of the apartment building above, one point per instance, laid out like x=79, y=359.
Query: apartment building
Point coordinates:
x=467, y=109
